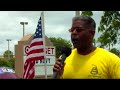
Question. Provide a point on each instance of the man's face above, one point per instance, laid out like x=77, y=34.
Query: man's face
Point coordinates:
x=81, y=34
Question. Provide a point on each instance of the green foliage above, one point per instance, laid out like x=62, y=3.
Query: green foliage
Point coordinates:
x=4, y=62
x=58, y=43
x=87, y=13
x=12, y=63
x=110, y=28
x=8, y=54
x=7, y=63
x=115, y=51
x=94, y=42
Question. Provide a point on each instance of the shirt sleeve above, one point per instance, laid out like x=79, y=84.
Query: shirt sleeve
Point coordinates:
x=114, y=66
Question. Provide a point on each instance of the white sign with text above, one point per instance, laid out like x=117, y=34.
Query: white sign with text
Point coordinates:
x=50, y=60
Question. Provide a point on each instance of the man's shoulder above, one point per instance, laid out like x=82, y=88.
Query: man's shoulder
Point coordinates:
x=103, y=50
x=108, y=53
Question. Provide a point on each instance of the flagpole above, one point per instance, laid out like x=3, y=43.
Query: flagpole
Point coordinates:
x=43, y=28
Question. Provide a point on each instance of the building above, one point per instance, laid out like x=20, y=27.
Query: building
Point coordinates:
x=20, y=54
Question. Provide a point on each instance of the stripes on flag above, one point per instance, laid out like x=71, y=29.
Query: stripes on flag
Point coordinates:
x=35, y=52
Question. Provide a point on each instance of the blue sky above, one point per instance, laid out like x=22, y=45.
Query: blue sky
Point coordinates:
x=57, y=24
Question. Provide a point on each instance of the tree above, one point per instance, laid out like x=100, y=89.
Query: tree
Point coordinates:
x=94, y=42
x=12, y=63
x=115, y=51
x=4, y=62
x=87, y=13
x=8, y=63
x=8, y=54
x=109, y=27
x=59, y=43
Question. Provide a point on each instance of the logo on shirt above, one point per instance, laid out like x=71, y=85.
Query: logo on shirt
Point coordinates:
x=94, y=72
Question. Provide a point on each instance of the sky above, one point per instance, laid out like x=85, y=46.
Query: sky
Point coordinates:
x=57, y=24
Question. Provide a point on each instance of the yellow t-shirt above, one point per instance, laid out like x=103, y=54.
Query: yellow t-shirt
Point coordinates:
x=98, y=64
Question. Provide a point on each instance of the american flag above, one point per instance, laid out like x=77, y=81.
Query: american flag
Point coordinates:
x=35, y=52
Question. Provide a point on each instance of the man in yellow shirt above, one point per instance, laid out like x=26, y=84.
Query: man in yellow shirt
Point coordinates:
x=87, y=61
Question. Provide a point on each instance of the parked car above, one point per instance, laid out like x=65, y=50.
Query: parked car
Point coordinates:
x=7, y=73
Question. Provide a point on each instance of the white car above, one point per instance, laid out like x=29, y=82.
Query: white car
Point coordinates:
x=6, y=69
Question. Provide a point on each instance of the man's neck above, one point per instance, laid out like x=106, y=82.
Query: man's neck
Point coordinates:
x=87, y=50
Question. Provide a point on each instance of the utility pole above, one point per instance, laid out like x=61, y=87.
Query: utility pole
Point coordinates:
x=8, y=48
x=23, y=23
x=77, y=13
